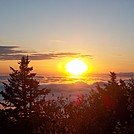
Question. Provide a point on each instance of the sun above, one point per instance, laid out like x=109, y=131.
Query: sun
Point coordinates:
x=76, y=67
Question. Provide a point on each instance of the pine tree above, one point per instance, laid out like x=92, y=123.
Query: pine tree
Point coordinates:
x=21, y=91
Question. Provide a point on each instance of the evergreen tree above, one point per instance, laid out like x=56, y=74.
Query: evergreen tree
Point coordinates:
x=21, y=91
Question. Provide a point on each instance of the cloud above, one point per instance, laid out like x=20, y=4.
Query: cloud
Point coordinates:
x=11, y=53
x=57, y=41
x=9, y=50
x=56, y=55
x=14, y=53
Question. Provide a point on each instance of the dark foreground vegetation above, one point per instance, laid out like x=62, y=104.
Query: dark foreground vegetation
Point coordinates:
x=107, y=110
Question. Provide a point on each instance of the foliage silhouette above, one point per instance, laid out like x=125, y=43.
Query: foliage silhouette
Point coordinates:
x=21, y=92
x=109, y=109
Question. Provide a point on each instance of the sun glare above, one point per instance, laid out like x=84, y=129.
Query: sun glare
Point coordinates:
x=76, y=67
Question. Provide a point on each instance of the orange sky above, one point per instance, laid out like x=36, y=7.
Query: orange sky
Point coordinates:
x=51, y=33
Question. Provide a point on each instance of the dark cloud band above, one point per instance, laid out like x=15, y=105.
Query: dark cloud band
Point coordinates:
x=14, y=53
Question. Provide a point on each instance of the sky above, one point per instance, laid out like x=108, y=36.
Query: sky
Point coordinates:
x=52, y=32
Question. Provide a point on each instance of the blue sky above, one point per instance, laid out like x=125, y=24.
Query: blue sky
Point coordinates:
x=101, y=28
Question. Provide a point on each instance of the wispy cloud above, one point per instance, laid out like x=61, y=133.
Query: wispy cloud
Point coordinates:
x=11, y=53
x=14, y=53
x=56, y=41
x=10, y=50
x=57, y=55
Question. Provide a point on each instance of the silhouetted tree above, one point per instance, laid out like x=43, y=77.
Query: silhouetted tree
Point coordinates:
x=21, y=92
x=106, y=110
